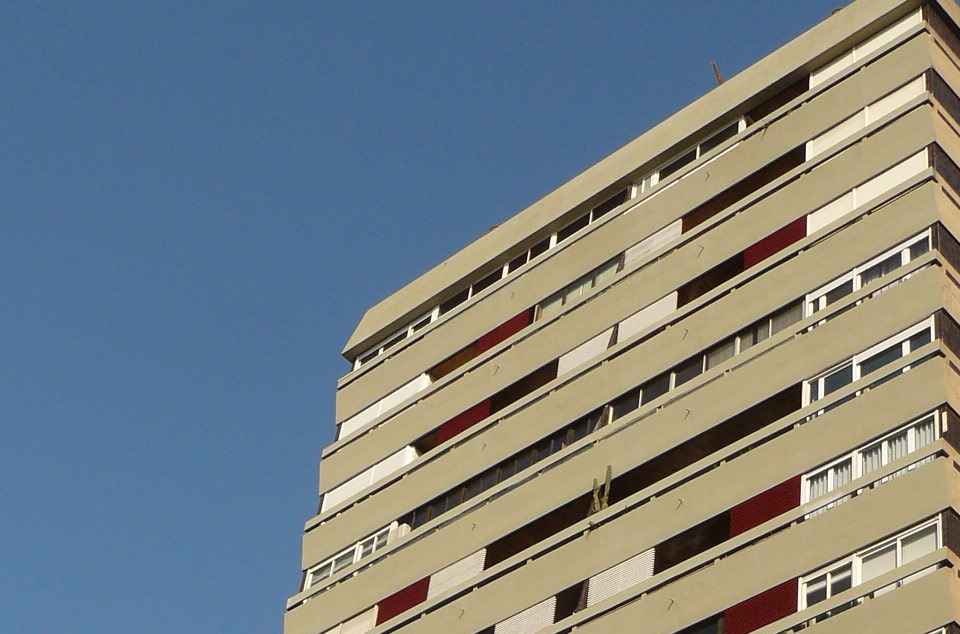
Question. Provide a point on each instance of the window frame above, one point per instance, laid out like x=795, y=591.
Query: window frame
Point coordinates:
x=855, y=561
x=814, y=301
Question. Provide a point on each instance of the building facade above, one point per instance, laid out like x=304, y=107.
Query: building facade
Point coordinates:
x=709, y=385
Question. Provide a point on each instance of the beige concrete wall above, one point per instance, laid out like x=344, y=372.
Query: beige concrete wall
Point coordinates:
x=601, y=383
x=894, y=142
x=806, y=52
x=560, y=267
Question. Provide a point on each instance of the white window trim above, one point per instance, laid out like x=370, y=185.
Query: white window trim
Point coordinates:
x=856, y=361
x=856, y=455
x=856, y=561
x=357, y=550
x=814, y=301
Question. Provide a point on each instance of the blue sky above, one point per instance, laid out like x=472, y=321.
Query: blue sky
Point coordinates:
x=198, y=201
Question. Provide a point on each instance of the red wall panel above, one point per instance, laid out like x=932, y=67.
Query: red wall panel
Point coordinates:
x=765, y=506
x=762, y=609
x=402, y=601
x=504, y=331
x=464, y=420
x=776, y=241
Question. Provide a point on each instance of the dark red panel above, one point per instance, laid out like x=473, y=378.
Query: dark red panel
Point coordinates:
x=762, y=609
x=776, y=241
x=463, y=421
x=765, y=506
x=504, y=331
x=402, y=601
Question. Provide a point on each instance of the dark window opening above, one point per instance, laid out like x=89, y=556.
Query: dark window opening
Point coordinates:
x=611, y=203
x=783, y=97
x=677, y=164
x=573, y=227
x=455, y=301
x=727, y=133
x=526, y=385
x=540, y=247
x=691, y=542
x=708, y=281
x=713, y=625
x=488, y=281
x=744, y=188
x=706, y=443
x=452, y=362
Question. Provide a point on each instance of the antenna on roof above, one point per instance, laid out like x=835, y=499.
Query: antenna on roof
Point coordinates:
x=716, y=71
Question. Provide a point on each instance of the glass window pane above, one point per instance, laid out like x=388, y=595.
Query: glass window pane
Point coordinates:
x=871, y=458
x=881, y=359
x=841, y=579
x=343, y=560
x=517, y=262
x=551, y=304
x=842, y=473
x=816, y=590
x=626, y=403
x=720, y=353
x=540, y=247
x=920, y=339
x=578, y=288
x=878, y=562
x=787, y=317
x=837, y=379
x=689, y=370
x=607, y=271
x=839, y=292
x=880, y=269
x=657, y=387
x=678, y=163
x=817, y=484
x=919, y=248
x=926, y=432
x=367, y=547
x=897, y=446
x=919, y=544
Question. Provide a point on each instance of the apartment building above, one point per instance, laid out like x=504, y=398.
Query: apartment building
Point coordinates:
x=708, y=385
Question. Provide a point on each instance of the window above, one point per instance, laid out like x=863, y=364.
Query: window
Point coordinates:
x=678, y=162
x=870, y=563
x=868, y=361
x=407, y=331
x=868, y=272
x=863, y=460
x=578, y=288
x=363, y=548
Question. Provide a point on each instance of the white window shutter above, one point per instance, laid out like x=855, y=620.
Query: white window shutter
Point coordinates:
x=531, y=620
x=620, y=577
x=457, y=573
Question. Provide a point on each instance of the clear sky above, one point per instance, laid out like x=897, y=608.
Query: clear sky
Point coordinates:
x=198, y=200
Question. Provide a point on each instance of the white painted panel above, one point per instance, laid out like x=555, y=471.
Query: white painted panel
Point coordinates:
x=361, y=623
x=351, y=487
x=884, y=106
x=829, y=212
x=358, y=420
x=835, y=134
x=583, y=353
x=831, y=69
x=530, y=620
x=392, y=463
x=649, y=315
x=457, y=573
x=889, y=179
x=652, y=242
x=404, y=392
x=864, y=49
x=620, y=577
x=888, y=35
